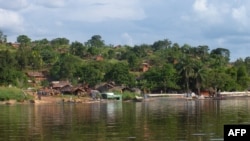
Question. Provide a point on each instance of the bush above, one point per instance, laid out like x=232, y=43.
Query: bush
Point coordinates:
x=128, y=95
x=13, y=93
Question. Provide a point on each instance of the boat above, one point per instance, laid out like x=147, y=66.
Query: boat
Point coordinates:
x=189, y=98
x=138, y=99
x=111, y=96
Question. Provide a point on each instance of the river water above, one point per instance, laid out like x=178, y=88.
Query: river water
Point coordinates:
x=159, y=119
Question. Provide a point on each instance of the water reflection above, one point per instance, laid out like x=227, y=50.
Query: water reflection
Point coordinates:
x=158, y=119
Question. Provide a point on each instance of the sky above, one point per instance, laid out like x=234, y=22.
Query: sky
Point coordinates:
x=215, y=23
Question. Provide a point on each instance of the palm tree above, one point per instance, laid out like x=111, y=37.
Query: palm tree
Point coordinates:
x=186, y=69
x=199, y=74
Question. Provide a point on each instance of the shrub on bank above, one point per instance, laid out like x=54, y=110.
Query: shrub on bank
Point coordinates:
x=128, y=95
x=13, y=94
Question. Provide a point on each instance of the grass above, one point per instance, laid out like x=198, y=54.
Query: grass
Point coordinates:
x=128, y=95
x=13, y=94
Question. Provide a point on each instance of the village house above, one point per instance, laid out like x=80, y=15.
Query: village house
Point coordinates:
x=116, y=47
x=35, y=77
x=62, y=86
x=79, y=91
x=99, y=58
x=15, y=45
x=145, y=67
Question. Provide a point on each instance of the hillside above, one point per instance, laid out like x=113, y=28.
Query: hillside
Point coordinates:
x=161, y=67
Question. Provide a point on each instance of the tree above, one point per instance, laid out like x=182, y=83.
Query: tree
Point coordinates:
x=231, y=84
x=93, y=51
x=89, y=74
x=161, y=78
x=133, y=61
x=77, y=48
x=59, y=41
x=22, y=56
x=186, y=49
x=41, y=43
x=60, y=44
x=9, y=73
x=242, y=77
x=161, y=44
x=35, y=60
x=111, y=54
x=185, y=67
x=3, y=38
x=65, y=68
x=247, y=63
x=202, y=50
x=140, y=51
x=200, y=74
x=217, y=78
x=119, y=73
x=24, y=40
x=49, y=56
x=95, y=41
x=222, y=52
x=172, y=54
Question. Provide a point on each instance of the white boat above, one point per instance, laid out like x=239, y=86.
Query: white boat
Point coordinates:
x=138, y=98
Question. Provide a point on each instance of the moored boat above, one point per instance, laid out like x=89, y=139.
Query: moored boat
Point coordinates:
x=138, y=98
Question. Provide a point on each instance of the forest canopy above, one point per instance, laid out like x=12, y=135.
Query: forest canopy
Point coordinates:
x=160, y=66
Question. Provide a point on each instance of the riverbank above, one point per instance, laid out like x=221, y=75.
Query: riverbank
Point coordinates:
x=50, y=100
x=225, y=94
x=75, y=99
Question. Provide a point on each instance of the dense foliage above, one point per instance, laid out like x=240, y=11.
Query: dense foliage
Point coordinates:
x=171, y=67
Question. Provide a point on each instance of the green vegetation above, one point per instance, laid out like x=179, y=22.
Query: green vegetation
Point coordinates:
x=171, y=67
x=128, y=95
x=13, y=93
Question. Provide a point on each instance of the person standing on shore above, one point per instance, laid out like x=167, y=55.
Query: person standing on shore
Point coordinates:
x=39, y=95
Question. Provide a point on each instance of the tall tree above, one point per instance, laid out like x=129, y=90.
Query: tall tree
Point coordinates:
x=200, y=74
x=133, y=62
x=247, y=62
x=162, y=78
x=59, y=41
x=185, y=68
x=3, y=37
x=88, y=74
x=24, y=40
x=77, y=48
x=60, y=44
x=65, y=68
x=119, y=73
x=22, y=57
x=9, y=73
x=161, y=44
x=95, y=41
x=222, y=52
x=243, y=78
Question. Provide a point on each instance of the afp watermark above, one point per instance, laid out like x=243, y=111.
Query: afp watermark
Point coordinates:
x=237, y=132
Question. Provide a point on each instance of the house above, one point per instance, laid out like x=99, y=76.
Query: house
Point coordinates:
x=15, y=45
x=35, y=77
x=79, y=91
x=118, y=46
x=99, y=58
x=145, y=67
x=104, y=87
x=66, y=89
x=205, y=93
x=49, y=91
x=62, y=86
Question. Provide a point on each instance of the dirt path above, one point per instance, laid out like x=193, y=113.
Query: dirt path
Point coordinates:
x=55, y=99
x=48, y=99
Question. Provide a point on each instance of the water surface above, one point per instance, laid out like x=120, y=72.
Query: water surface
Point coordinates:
x=160, y=119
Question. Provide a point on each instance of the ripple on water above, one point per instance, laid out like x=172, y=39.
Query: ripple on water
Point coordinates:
x=199, y=134
x=217, y=139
